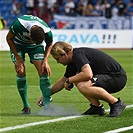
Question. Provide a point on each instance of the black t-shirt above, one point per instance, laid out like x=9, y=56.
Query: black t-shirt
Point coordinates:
x=100, y=62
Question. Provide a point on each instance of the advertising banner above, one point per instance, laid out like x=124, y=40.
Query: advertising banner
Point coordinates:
x=95, y=38
x=106, y=39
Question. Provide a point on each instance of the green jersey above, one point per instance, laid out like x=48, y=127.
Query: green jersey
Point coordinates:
x=21, y=29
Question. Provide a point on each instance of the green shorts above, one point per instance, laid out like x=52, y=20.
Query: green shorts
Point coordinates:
x=35, y=52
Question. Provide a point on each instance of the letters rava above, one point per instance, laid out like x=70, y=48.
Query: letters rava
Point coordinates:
x=78, y=38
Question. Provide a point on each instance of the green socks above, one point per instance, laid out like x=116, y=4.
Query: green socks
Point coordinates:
x=22, y=88
x=45, y=87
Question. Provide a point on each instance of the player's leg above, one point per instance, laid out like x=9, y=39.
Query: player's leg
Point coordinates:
x=45, y=84
x=95, y=106
x=22, y=85
x=37, y=57
x=97, y=92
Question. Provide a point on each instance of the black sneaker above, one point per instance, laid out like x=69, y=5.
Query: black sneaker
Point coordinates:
x=94, y=110
x=25, y=110
x=116, y=108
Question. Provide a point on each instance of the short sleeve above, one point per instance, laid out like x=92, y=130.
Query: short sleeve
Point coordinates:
x=15, y=27
x=71, y=70
x=48, y=37
x=80, y=60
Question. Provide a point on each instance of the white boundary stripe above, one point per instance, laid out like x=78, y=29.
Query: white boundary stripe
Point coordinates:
x=38, y=123
x=120, y=130
x=49, y=121
x=123, y=128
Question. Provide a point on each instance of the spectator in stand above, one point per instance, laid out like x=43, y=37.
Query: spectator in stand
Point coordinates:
x=87, y=9
x=30, y=6
x=121, y=8
x=57, y=5
x=16, y=7
x=36, y=8
x=78, y=8
x=69, y=8
x=3, y=23
x=97, y=9
x=106, y=9
x=114, y=8
x=61, y=7
x=130, y=8
x=51, y=6
x=114, y=11
x=43, y=10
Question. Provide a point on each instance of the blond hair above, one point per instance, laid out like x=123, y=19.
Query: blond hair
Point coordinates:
x=60, y=48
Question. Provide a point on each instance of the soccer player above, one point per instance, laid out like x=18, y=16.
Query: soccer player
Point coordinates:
x=94, y=73
x=27, y=34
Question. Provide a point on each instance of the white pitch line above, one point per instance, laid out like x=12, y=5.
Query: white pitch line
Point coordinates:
x=47, y=121
x=123, y=128
x=120, y=130
x=38, y=123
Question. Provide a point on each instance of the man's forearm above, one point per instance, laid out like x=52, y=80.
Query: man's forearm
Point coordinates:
x=47, y=52
x=58, y=86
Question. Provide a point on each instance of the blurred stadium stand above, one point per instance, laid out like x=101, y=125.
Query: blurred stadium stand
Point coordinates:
x=6, y=10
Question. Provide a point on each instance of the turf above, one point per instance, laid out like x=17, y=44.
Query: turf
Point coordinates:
x=11, y=105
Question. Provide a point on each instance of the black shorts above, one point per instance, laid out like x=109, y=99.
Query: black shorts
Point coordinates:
x=111, y=84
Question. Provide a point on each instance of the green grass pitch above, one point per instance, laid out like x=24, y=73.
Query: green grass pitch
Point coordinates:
x=11, y=105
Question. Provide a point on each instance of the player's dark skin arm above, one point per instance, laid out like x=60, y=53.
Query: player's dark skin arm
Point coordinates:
x=11, y=44
x=47, y=51
x=19, y=62
x=45, y=64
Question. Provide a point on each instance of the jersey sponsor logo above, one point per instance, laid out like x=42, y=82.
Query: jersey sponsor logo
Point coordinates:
x=38, y=56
